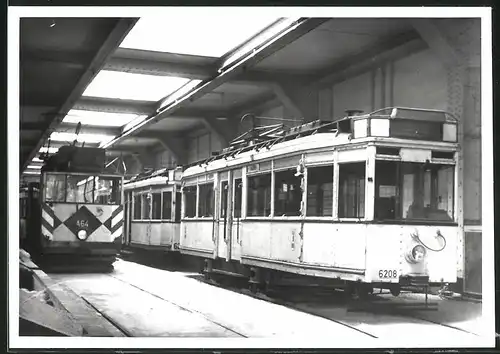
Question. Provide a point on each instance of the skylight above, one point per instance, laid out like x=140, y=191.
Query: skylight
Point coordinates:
x=206, y=35
x=35, y=166
x=260, y=39
x=115, y=84
x=103, y=119
x=88, y=138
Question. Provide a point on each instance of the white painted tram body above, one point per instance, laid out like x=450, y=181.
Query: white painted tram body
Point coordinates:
x=374, y=201
x=153, y=211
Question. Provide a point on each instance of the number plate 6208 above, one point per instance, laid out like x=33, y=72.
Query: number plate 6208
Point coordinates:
x=387, y=274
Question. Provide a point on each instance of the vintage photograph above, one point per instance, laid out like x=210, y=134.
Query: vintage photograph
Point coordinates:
x=204, y=177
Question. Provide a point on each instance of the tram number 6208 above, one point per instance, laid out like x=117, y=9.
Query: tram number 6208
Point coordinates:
x=387, y=274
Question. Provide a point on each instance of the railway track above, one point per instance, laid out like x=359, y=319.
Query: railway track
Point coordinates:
x=373, y=305
x=371, y=320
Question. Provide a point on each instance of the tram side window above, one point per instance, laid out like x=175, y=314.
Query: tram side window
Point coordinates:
x=137, y=207
x=352, y=190
x=206, y=200
x=287, y=193
x=320, y=191
x=146, y=206
x=259, y=195
x=178, y=205
x=189, y=201
x=238, y=197
x=107, y=190
x=167, y=206
x=55, y=188
x=156, y=206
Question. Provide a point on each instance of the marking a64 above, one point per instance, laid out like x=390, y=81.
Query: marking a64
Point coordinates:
x=387, y=274
x=82, y=223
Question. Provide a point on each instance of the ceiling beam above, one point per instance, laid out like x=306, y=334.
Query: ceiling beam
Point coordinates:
x=165, y=141
x=121, y=29
x=187, y=66
x=169, y=66
x=286, y=99
x=252, y=105
x=387, y=50
x=72, y=60
x=85, y=129
x=433, y=36
x=114, y=105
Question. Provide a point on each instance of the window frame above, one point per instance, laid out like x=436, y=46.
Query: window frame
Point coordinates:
x=257, y=174
x=334, y=202
x=399, y=185
x=365, y=197
x=85, y=174
x=162, y=192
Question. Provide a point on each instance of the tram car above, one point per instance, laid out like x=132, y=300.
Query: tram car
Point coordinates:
x=153, y=206
x=80, y=213
x=367, y=201
x=29, y=208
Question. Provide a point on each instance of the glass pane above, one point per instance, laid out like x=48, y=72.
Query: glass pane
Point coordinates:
x=137, y=207
x=114, y=84
x=107, y=190
x=146, y=206
x=55, y=188
x=190, y=201
x=287, y=193
x=99, y=118
x=206, y=200
x=386, y=190
x=80, y=189
x=352, y=190
x=167, y=206
x=156, y=212
x=320, y=191
x=220, y=33
x=223, y=202
x=238, y=195
x=259, y=195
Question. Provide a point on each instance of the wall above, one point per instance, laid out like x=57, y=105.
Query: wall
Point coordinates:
x=201, y=144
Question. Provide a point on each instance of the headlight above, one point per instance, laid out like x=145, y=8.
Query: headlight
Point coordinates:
x=416, y=254
x=82, y=235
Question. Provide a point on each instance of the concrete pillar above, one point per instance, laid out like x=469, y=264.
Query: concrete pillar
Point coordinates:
x=457, y=43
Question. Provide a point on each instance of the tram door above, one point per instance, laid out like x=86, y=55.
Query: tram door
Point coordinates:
x=225, y=218
x=128, y=217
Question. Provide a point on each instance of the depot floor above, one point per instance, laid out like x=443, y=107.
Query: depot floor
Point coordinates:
x=145, y=301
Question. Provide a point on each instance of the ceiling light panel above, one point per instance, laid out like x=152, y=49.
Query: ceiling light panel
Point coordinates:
x=212, y=36
x=99, y=119
x=126, y=86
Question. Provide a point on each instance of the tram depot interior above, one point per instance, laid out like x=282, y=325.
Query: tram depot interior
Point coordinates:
x=177, y=104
